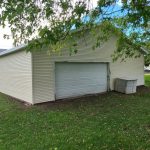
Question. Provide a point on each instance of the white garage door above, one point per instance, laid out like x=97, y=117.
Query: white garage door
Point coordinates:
x=75, y=79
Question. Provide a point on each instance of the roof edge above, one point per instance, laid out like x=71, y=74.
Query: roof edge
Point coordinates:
x=145, y=51
x=13, y=50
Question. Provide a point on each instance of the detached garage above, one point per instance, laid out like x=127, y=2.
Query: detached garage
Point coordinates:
x=39, y=77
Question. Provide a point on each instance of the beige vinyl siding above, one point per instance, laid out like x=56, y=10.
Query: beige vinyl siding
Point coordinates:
x=44, y=66
x=43, y=79
x=131, y=68
x=16, y=75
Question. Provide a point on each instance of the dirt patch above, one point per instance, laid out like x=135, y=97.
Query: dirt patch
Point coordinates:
x=19, y=103
x=72, y=101
x=143, y=89
x=59, y=104
x=89, y=98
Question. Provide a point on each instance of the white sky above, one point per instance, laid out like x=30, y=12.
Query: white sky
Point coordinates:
x=8, y=43
x=5, y=43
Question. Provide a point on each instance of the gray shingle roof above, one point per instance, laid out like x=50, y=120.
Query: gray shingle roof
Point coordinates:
x=8, y=51
x=2, y=50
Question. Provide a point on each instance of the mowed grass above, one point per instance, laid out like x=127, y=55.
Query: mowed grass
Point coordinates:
x=147, y=80
x=110, y=121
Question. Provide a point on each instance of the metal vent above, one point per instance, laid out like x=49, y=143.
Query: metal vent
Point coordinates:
x=124, y=85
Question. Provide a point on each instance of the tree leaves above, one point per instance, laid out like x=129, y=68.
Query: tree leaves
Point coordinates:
x=50, y=22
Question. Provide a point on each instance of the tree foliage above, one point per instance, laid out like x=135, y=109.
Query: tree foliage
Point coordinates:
x=51, y=22
x=147, y=57
x=147, y=60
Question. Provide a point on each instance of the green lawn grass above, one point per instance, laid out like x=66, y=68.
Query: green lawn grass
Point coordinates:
x=147, y=80
x=111, y=121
